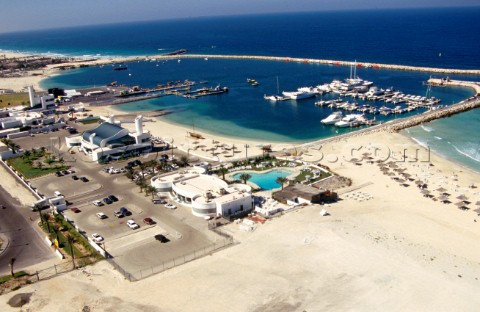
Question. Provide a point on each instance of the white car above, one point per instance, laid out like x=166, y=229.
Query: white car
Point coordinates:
x=57, y=193
x=97, y=238
x=131, y=224
x=170, y=206
x=97, y=203
x=101, y=215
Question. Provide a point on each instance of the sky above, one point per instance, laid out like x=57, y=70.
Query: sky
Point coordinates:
x=18, y=15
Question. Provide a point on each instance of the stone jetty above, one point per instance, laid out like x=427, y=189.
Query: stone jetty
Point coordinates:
x=401, y=123
x=333, y=62
x=455, y=83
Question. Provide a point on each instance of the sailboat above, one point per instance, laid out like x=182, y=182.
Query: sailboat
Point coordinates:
x=276, y=97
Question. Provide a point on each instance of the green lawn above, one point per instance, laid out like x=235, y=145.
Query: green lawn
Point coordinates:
x=90, y=121
x=8, y=277
x=29, y=172
x=14, y=99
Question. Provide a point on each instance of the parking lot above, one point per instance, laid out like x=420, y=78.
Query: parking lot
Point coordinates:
x=132, y=249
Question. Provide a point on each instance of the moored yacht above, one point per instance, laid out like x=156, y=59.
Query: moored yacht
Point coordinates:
x=298, y=95
x=332, y=118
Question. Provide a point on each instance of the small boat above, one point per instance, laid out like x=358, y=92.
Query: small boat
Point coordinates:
x=120, y=68
x=249, y=80
x=255, y=83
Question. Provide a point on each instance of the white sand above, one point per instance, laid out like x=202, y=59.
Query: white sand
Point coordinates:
x=397, y=251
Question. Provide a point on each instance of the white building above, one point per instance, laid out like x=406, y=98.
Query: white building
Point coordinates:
x=109, y=140
x=206, y=195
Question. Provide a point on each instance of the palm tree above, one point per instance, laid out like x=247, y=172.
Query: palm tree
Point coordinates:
x=26, y=154
x=222, y=170
x=142, y=167
x=151, y=190
x=184, y=161
x=281, y=181
x=245, y=177
x=130, y=174
x=141, y=183
x=71, y=240
x=12, y=261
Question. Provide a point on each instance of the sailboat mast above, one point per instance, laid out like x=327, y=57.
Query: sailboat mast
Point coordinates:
x=278, y=87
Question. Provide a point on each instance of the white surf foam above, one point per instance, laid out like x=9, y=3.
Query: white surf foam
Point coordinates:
x=428, y=129
x=471, y=151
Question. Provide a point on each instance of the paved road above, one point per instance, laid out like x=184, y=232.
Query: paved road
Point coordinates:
x=24, y=243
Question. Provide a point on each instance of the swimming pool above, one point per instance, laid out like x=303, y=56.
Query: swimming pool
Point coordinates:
x=266, y=180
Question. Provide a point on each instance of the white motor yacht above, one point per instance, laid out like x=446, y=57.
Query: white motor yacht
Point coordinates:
x=332, y=118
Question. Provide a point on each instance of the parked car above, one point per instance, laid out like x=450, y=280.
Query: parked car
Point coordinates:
x=71, y=171
x=74, y=177
x=76, y=210
x=97, y=238
x=101, y=215
x=118, y=214
x=131, y=224
x=58, y=174
x=125, y=211
x=148, y=221
x=97, y=203
x=57, y=193
x=113, y=198
x=159, y=201
x=84, y=179
x=161, y=238
x=107, y=201
x=170, y=206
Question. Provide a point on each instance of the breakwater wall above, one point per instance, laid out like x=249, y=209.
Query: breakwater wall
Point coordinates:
x=401, y=123
x=331, y=62
x=463, y=106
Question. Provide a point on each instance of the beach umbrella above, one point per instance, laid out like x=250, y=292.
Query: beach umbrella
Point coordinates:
x=441, y=189
x=442, y=198
x=463, y=208
x=459, y=204
x=445, y=194
x=405, y=184
x=462, y=197
x=425, y=192
x=477, y=203
x=418, y=182
x=477, y=210
x=391, y=174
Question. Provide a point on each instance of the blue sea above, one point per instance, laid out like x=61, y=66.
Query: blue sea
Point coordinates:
x=422, y=37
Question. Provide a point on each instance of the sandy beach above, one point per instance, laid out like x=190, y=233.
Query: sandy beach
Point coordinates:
x=385, y=246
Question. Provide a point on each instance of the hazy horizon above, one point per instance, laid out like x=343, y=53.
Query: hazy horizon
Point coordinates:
x=50, y=14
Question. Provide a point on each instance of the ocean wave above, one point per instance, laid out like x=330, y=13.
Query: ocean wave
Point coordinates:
x=428, y=129
x=471, y=151
x=421, y=143
x=438, y=138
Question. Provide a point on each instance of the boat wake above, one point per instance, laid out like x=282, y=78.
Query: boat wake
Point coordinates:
x=471, y=151
x=438, y=138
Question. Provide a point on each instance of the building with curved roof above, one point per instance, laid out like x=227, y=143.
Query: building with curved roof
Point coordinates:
x=110, y=140
x=205, y=194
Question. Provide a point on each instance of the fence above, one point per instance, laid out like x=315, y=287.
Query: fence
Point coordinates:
x=54, y=271
x=166, y=265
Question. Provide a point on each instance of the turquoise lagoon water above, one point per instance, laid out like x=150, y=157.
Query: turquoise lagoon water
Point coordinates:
x=266, y=180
